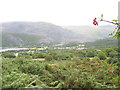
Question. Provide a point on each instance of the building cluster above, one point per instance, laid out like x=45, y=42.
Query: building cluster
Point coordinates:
x=79, y=47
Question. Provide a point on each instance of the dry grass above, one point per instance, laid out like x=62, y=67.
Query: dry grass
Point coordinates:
x=52, y=64
x=39, y=59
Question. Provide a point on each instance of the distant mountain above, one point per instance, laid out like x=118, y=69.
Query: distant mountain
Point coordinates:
x=32, y=34
x=35, y=34
x=106, y=26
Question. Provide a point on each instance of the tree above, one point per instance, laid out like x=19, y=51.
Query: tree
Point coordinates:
x=116, y=32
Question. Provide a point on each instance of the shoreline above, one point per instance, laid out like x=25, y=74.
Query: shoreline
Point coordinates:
x=10, y=49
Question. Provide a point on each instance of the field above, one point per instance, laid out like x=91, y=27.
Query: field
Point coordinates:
x=66, y=68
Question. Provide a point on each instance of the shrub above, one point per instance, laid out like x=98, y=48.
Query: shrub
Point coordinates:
x=101, y=55
x=8, y=55
x=112, y=60
x=48, y=57
x=21, y=60
x=18, y=80
x=113, y=54
x=34, y=68
x=25, y=56
x=90, y=54
x=38, y=55
x=108, y=50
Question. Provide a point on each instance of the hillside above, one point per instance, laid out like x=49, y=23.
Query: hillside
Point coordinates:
x=92, y=33
x=19, y=40
x=103, y=43
x=35, y=34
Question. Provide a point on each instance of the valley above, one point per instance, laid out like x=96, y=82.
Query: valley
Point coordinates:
x=44, y=55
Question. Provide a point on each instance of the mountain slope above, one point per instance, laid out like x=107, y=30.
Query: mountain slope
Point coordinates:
x=92, y=33
x=103, y=43
x=32, y=34
x=19, y=40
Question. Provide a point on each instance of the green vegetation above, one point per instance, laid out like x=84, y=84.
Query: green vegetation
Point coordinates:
x=101, y=55
x=20, y=40
x=71, y=44
x=9, y=55
x=67, y=68
x=110, y=42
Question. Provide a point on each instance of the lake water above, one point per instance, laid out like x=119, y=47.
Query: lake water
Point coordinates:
x=9, y=49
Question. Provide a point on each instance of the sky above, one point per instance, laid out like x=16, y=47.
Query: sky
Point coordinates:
x=59, y=12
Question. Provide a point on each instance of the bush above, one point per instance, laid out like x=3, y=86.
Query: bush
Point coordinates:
x=112, y=60
x=38, y=55
x=90, y=54
x=21, y=60
x=48, y=57
x=25, y=56
x=8, y=55
x=34, y=68
x=61, y=56
x=108, y=50
x=113, y=54
x=79, y=53
x=18, y=80
x=101, y=55
x=41, y=55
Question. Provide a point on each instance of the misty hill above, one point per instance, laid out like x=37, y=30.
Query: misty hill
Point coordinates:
x=92, y=33
x=35, y=33
x=27, y=34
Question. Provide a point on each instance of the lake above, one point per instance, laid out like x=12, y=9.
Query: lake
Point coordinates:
x=9, y=49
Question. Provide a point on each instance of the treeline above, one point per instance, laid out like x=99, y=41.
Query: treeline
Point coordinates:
x=65, y=54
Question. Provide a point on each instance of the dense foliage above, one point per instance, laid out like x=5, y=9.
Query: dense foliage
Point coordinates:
x=68, y=68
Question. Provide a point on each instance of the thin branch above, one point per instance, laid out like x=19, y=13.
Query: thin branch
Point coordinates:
x=110, y=22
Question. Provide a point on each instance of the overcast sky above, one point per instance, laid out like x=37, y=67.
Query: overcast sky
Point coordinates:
x=59, y=12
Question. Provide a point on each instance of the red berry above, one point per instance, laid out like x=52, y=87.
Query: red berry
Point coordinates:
x=110, y=68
